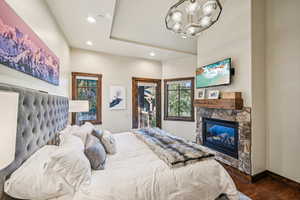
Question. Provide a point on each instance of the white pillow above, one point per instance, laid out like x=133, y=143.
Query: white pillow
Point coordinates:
x=109, y=142
x=71, y=165
x=31, y=181
x=83, y=131
x=66, y=131
x=71, y=142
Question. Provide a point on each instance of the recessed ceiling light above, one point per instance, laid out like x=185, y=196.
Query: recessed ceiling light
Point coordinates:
x=90, y=43
x=91, y=20
x=152, y=54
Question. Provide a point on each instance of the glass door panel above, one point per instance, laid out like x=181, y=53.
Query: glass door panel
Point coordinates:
x=147, y=105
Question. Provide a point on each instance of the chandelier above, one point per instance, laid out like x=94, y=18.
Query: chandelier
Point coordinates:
x=188, y=18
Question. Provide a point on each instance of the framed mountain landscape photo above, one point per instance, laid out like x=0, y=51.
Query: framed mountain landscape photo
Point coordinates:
x=117, y=98
x=21, y=49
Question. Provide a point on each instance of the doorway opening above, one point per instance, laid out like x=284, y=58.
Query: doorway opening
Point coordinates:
x=146, y=103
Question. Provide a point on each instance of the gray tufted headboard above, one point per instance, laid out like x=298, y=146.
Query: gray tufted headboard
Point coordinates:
x=40, y=117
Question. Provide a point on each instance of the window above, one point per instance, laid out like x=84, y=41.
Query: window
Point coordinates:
x=87, y=87
x=179, y=96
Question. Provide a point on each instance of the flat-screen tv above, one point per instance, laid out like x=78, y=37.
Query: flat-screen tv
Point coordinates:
x=215, y=74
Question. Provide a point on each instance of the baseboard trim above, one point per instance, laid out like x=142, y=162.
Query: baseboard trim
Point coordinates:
x=273, y=175
x=259, y=176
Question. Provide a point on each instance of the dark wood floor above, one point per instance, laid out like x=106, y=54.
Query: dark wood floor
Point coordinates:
x=267, y=188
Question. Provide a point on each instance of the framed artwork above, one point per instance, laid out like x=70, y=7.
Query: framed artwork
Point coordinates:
x=201, y=93
x=213, y=94
x=117, y=98
x=22, y=50
x=87, y=86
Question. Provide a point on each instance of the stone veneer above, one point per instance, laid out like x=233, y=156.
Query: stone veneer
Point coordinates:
x=243, y=117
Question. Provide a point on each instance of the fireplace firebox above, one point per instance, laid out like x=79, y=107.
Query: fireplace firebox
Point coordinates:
x=221, y=136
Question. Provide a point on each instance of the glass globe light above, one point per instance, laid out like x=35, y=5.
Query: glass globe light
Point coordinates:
x=177, y=27
x=183, y=36
x=176, y=16
x=209, y=7
x=205, y=21
x=191, y=30
x=192, y=7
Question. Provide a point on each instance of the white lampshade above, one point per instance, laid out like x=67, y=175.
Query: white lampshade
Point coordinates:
x=8, y=123
x=78, y=106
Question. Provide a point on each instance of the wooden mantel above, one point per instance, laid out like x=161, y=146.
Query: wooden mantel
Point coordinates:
x=230, y=104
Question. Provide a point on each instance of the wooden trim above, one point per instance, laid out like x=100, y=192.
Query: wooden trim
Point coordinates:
x=99, y=98
x=255, y=178
x=146, y=80
x=259, y=176
x=170, y=118
x=135, y=117
x=279, y=178
x=179, y=79
x=233, y=104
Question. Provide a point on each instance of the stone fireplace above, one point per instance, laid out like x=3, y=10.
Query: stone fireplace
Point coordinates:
x=227, y=133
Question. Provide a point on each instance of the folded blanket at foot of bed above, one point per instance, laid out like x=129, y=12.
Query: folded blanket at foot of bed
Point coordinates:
x=173, y=150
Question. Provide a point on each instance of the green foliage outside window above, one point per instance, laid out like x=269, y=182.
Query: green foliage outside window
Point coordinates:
x=179, y=99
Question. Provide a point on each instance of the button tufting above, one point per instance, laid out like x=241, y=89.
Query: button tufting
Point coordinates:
x=28, y=147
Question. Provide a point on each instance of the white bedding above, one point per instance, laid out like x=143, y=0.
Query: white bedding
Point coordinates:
x=136, y=173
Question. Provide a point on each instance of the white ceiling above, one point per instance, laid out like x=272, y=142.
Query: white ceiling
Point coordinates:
x=133, y=27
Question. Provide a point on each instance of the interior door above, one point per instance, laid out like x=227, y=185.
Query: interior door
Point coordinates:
x=146, y=102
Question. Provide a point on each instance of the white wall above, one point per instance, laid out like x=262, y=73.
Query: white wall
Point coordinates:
x=36, y=14
x=283, y=87
x=240, y=35
x=230, y=37
x=116, y=70
x=179, y=68
x=258, y=85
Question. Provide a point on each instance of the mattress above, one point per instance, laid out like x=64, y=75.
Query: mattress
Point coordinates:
x=136, y=173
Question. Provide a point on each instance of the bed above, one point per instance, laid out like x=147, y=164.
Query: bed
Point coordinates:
x=134, y=173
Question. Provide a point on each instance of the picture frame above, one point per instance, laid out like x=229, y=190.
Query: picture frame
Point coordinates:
x=201, y=93
x=117, y=98
x=213, y=94
x=21, y=48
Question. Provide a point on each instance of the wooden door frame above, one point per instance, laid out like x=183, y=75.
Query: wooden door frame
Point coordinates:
x=99, y=97
x=135, y=114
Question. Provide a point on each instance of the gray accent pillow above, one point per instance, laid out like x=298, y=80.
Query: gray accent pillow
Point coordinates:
x=109, y=142
x=98, y=134
x=95, y=153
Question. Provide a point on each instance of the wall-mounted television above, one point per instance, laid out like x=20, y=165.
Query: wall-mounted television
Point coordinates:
x=215, y=74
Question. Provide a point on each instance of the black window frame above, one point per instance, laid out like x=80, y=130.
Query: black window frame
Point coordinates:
x=166, y=100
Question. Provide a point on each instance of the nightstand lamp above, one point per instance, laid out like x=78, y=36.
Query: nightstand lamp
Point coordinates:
x=8, y=123
x=77, y=106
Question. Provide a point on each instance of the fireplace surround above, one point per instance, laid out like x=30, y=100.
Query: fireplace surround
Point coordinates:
x=242, y=120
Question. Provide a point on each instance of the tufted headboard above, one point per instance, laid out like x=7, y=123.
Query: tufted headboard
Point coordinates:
x=40, y=117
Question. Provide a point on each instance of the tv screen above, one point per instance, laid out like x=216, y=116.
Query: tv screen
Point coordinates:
x=214, y=74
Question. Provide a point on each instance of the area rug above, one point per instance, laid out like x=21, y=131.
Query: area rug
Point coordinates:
x=244, y=197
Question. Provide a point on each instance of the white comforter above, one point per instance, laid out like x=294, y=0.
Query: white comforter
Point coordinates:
x=136, y=173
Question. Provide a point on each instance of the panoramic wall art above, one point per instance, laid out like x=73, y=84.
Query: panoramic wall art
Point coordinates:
x=22, y=50
x=117, y=98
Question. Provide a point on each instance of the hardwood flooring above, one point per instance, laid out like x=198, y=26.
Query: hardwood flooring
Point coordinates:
x=267, y=188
